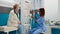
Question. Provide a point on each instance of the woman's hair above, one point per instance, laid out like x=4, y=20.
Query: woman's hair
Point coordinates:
x=42, y=11
x=15, y=6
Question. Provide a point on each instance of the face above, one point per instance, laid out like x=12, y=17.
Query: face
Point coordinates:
x=33, y=12
x=17, y=8
x=30, y=14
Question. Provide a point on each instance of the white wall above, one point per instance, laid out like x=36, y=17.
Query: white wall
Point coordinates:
x=58, y=9
x=51, y=7
x=8, y=3
x=37, y=4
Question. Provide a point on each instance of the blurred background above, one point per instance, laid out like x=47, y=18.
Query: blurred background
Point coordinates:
x=52, y=13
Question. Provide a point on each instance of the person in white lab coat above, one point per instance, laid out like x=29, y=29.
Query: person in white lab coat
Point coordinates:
x=13, y=16
x=13, y=20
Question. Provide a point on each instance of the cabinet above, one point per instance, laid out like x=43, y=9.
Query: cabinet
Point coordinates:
x=55, y=30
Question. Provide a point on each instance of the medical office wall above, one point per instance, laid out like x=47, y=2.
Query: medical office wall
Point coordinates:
x=36, y=4
x=59, y=10
x=51, y=9
x=4, y=14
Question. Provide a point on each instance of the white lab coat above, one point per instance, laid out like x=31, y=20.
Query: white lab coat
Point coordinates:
x=13, y=19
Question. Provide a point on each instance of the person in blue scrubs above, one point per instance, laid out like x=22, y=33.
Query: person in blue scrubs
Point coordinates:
x=40, y=22
x=33, y=18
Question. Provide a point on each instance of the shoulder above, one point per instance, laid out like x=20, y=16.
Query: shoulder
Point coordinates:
x=12, y=11
x=40, y=19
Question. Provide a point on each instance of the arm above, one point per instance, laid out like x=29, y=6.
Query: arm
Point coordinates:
x=13, y=19
x=40, y=21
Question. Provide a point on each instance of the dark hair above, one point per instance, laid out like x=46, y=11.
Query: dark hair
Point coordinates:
x=31, y=12
x=42, y=11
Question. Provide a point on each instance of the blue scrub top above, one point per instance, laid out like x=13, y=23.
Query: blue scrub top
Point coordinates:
x=37, y=15
x=41, y=24
x=32, y=21
x=33, y=24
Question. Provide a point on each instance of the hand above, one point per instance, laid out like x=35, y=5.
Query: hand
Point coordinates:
x=18, y=22
x=32, y=17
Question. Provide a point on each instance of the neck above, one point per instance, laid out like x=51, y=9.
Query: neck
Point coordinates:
x=42, y=16
x=16, y=11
